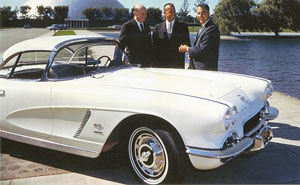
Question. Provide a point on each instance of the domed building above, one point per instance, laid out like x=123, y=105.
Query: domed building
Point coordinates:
x=75, y=16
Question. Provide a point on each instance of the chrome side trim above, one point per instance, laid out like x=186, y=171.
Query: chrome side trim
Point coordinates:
x=227, y=104
x=83, y=123
x=49, y=144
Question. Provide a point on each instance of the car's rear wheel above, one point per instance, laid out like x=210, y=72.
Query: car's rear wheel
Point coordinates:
x=154, y=156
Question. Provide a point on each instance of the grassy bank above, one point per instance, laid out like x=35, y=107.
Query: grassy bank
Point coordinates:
x=64, y=32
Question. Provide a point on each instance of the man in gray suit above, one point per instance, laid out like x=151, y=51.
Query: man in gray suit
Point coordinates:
x=205, y=52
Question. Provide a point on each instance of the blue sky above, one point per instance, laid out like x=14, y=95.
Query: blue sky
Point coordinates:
x=131, y=3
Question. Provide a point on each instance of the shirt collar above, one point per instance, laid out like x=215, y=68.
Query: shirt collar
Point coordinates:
x=206, y=21
x=137, y=22
x=167, y=22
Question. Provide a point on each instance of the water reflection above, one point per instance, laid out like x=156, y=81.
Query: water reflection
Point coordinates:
x=277, y=60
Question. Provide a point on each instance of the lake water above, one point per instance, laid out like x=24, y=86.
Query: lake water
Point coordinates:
x=277, y=60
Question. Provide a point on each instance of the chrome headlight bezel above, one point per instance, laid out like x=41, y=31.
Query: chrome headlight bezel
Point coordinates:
x=269, y=90
x=229, y=118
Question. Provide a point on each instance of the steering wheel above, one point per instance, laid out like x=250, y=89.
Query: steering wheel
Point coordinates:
x=107, y=62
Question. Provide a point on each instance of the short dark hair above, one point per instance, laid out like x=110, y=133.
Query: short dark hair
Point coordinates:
x=170, y=4
x=204, y=5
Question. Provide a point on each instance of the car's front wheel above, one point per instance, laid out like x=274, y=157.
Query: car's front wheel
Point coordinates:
x=154, y=156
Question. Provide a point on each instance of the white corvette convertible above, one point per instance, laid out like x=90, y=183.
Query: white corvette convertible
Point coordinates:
x=76, y=94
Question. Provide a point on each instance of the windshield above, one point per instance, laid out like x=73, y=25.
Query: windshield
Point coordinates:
x=86, y=58
x=27, y=65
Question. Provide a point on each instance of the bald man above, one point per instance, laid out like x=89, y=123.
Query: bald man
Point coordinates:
x=135, y=38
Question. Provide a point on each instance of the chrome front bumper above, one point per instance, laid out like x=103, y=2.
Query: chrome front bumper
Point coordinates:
x=208, y=159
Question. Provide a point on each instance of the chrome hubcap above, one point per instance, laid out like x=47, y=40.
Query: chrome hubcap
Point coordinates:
x=147, y=155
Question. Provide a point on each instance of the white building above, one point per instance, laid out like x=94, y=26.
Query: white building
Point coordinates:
x=75, y=16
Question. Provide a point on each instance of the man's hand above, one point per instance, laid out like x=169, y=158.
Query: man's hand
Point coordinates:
x=183, y=48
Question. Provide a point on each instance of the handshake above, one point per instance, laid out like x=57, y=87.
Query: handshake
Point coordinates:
x=183, y=48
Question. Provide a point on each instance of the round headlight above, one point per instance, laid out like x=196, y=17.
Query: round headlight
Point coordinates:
x=227, y=119
x=230, y=117
x=269, y=90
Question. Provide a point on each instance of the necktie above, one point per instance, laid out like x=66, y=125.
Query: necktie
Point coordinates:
x=169, y=30
x=142, y=28
x=198, y=33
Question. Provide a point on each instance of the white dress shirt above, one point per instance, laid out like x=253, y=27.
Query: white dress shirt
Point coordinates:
x=140, y=25
x=169, y=27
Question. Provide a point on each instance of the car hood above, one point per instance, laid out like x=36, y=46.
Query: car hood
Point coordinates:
x=185, y=82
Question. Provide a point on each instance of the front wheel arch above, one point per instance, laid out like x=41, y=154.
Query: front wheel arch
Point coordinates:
x=167, y=135
x=132, y=121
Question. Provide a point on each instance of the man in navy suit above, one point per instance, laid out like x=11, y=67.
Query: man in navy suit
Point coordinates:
x=135, y=38
x=205, y=52
x=167, y=37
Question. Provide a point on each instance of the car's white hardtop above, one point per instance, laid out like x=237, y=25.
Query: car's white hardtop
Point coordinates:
x=44, y=44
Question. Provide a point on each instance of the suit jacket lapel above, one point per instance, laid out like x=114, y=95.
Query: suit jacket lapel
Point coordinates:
x=174, y=30
x=203, y=31
x=136, y=25
x=164, y=28
x=163, y=31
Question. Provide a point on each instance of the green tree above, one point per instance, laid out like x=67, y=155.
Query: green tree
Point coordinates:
x=6, y=14
x=121, y=14
x=61, y=12
x=40, y=11
x=197, y=3
x=276, y=15
x=45, y=13
x=24, y=10
x=293, y=14
x=234, y=15
x=184, y=12
x=154, y=16
x=90, y=13
x=106, y=13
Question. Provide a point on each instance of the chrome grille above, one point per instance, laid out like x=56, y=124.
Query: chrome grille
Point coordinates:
x=252, y=123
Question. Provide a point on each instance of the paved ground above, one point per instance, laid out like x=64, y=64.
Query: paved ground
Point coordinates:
x=9, y=37
x=279, y=163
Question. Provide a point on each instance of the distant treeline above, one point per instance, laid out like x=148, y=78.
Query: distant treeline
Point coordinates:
x=230, y=15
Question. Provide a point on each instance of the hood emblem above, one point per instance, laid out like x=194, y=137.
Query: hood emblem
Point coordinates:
x=243, y=99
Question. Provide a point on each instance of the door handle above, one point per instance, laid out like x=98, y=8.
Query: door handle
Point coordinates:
x=2, y=93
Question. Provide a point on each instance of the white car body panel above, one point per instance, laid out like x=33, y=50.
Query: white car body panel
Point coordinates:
x=35, y=98
x=81, y=114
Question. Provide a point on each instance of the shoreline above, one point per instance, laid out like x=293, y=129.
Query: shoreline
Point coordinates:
x=233, y=35
x=286, y=95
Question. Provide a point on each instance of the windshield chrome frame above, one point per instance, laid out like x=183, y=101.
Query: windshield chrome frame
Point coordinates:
x=86, y=41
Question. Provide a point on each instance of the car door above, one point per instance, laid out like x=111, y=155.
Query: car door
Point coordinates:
x=25, y=100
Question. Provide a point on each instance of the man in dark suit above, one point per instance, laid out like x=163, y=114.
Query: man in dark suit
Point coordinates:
x=205, y=52
x=167, y=37
x=135, y=38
